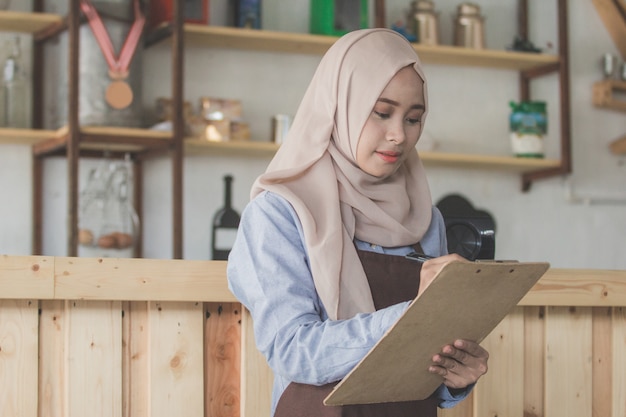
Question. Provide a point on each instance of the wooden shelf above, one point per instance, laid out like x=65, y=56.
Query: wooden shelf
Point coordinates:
x=92, y=141
x=103, y=139
x=24, y=22
x=491, y=162
x=236, y=148
x=464, y=161
x=302, y=43
x=121, y=139
x=24, y=136
x=610, y=94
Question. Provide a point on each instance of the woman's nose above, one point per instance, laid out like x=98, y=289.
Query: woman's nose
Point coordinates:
x=396, y=133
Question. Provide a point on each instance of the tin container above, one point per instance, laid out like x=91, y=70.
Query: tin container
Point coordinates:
x=469, y=29
x=280, y=127
x=423, y=22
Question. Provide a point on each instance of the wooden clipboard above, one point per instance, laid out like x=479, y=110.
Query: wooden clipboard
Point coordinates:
x=466, y=300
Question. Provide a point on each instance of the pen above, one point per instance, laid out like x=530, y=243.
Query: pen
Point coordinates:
x=418, y=257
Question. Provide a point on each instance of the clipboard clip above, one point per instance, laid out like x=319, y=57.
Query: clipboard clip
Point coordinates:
x=421, y=257
x=418, y=257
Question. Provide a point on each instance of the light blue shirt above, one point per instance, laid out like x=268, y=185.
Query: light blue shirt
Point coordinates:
x=268, y=271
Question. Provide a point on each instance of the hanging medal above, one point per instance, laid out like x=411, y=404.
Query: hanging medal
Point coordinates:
x=118, y=94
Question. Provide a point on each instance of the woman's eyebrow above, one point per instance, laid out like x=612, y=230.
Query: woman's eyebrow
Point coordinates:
x=395, y=103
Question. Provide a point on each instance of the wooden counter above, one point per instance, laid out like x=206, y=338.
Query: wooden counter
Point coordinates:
x=147, y=337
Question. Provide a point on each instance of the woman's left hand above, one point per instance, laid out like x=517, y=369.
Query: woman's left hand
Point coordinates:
x=460, y=364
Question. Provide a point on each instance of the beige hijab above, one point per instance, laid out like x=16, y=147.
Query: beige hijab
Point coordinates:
x=315, y=169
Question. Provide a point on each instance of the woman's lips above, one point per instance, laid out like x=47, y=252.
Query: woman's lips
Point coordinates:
x=388, y=156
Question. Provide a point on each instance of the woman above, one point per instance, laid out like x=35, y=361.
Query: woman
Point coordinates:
x=319, y=256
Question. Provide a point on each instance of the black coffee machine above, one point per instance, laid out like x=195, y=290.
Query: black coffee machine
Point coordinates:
x=470, y=232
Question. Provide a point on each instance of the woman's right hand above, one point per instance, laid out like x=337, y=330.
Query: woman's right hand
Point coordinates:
x=431, y=268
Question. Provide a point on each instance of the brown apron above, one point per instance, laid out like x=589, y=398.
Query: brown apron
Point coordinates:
x=392, y=279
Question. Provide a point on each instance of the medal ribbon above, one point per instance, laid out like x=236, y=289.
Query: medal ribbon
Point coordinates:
x=118, y=66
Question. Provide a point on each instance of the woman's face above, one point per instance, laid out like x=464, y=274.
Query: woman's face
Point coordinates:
x=394, y=125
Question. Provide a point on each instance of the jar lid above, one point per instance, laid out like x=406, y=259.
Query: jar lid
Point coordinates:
x=529, y=106
x=468, y=9
x=423, y=5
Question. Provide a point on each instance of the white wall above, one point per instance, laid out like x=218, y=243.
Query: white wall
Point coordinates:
x=573, y=222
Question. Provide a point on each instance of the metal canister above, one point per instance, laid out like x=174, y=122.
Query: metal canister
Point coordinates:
x=423, y=22
x=469, y=27
x=280, y=126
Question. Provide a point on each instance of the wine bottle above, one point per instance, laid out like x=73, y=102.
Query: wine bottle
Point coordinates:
x=225, y=224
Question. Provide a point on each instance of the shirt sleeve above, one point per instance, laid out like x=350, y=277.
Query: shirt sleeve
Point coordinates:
x=449, y=400
x=268, y=271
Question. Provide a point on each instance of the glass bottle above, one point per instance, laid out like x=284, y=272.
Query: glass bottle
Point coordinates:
x=225, y=224
x=15, y=88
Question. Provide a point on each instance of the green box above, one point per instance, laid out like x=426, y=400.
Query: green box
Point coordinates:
x=338, y=17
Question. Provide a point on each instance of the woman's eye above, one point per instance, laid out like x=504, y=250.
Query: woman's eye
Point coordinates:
x=414, y=121
x=382, y=115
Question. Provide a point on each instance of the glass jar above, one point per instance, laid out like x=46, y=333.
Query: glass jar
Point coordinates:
x=528, y=124
x=15, y=89
x=108, y=223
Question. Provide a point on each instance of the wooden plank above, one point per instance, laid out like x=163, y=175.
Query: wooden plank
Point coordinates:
x=135, y=362
x=141, y=279
x=506, y=371
x=222, y=358
x=619, y=361
x=26, y=277
x=614, y=21
x=256, y=376
x=578, y=287
x=534, y=359
x=94, y=358
x=176, y=359
x=568, y=362
x=18, y=358
x=602, y=361
x=186, y=280
x=53, y=372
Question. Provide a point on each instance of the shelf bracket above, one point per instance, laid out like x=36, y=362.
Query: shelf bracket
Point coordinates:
x=563, y=70
x=613, y=14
